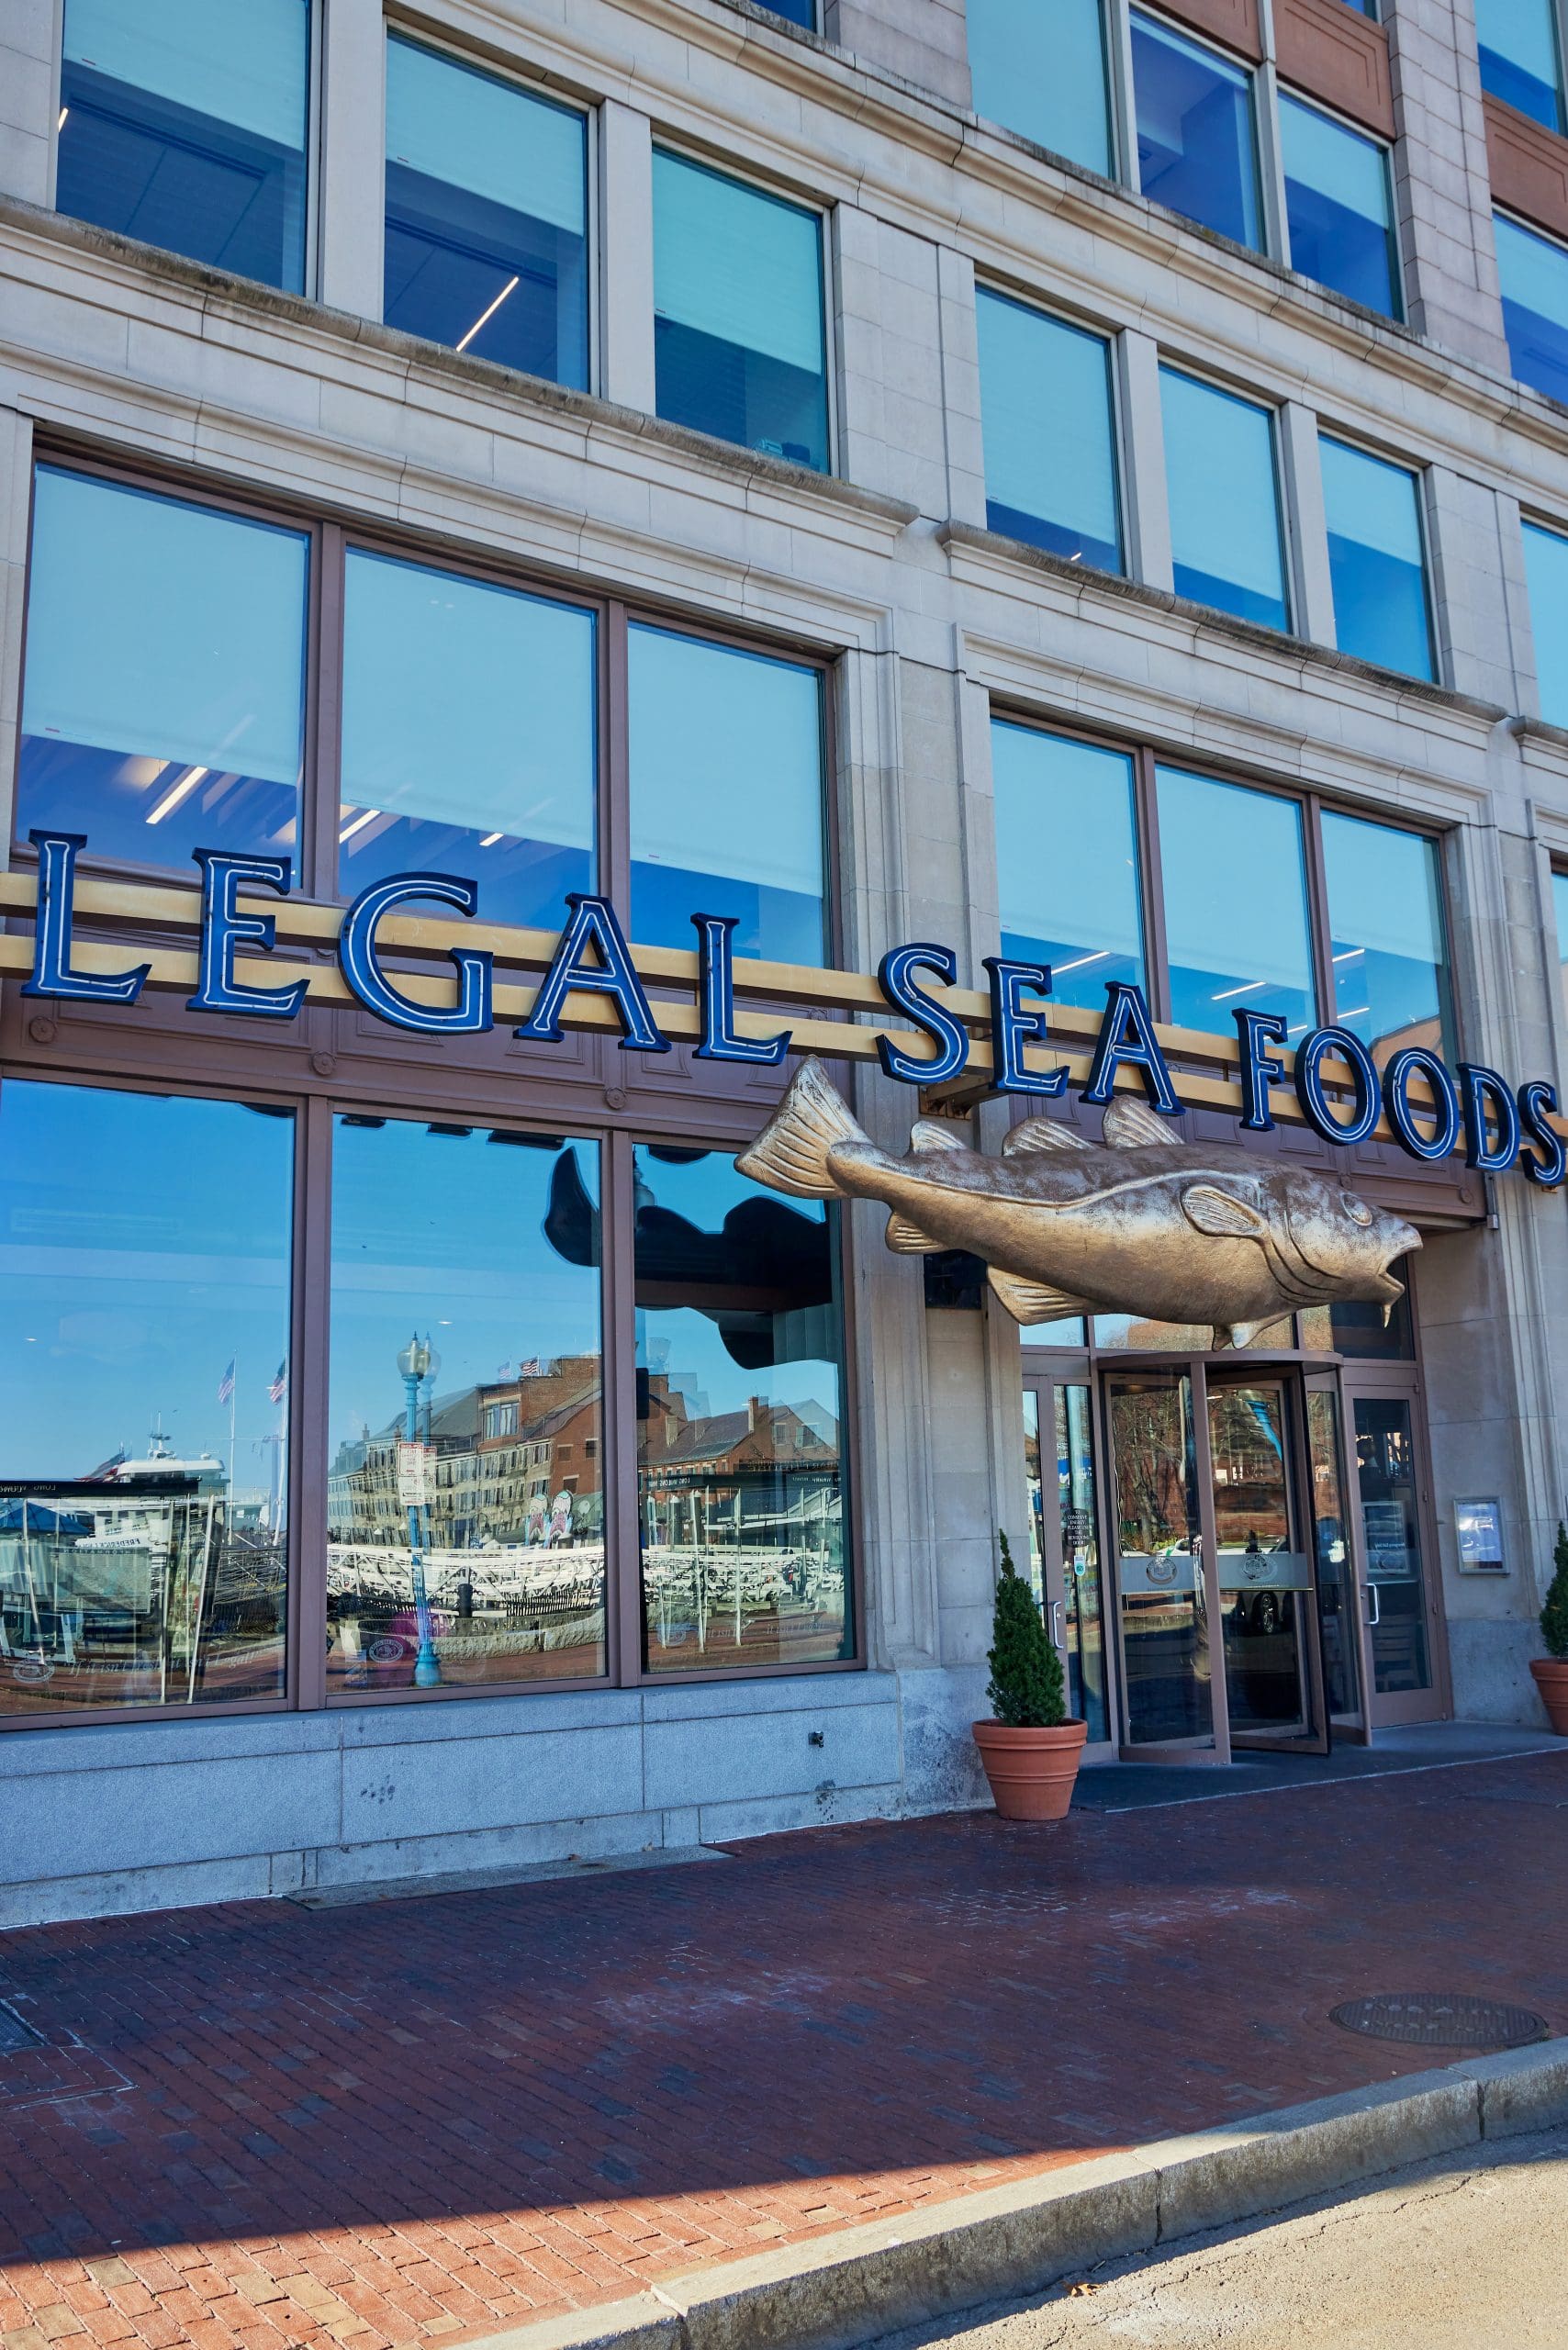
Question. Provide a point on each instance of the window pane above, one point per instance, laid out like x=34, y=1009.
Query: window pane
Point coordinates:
x=164, y=703
x=1546, y=569
x=795, y=12
x=726, y=796
x=740, y=1474
x=1533, y=273
x=1339, y=207
x=1041, y=71
x=184, y=124
x=1196, y=147
x=468, y=737
x=1050, y=454
x=1560, y=913
x=738, y=342
x=1077, y=1516
x=1225, y=537
x=1067, y=861
x=1235, y=923
x=1376, y=560
x=142, y=1513
x=486, y=215
x=485, y=1247
x=1391, y=978
x=1517, y=40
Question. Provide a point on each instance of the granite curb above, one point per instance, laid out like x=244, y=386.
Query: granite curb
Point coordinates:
x=849, y=2286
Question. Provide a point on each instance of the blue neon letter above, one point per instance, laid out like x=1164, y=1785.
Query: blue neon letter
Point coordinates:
x=893, y=978
x=593, y=923
x=223, y=929
x=717, y=984
x=52, y=974
x=470, y=1016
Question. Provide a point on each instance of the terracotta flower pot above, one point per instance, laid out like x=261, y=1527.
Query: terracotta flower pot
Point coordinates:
x=1031, y=1771
x=1551, y=1679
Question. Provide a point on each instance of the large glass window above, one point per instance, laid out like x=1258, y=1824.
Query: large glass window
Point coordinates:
x=1226, y=537
x=184, y=124
x=466, y=1491
x=1041, y=71
x=144, y=1275
x=1533, y=274
x=486, y=215
x=1560, y=916
x=726, y=751
x=1051, y=444
x=1067, y=861
x=794, y=12
x=1339, y=206
x=1519, y=61
x=468, y=737
x=1546, y=569
x=1377, y=559
x=739, y=340
x=1197, y=146
x=163, y=701
x=1391, y=974
x=1234, y=875
x=742, y=1507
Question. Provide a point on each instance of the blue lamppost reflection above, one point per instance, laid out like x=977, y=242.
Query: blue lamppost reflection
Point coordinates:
x=419, y=1361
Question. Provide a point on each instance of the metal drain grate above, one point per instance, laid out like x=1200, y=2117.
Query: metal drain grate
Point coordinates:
x=1440, y=2019
x=16, y=2035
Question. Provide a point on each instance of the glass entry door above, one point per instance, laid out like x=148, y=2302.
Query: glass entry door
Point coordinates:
x=1403, y=1631
x=1167, y=1591
x=1064, y=1539
x=1272, y=1667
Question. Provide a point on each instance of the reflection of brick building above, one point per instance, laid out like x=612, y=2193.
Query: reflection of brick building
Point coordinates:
x=730, y=1476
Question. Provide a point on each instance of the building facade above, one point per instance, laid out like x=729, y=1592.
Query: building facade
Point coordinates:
x=1085, y=485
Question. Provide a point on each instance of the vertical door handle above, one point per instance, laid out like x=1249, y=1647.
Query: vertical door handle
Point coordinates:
x=1376, y=1604
x=1057, y=1633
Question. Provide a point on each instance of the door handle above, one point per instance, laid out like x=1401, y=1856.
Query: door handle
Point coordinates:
x=1376, y=1604
x=1057, y=1633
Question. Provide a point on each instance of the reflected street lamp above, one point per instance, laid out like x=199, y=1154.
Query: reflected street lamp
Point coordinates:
x=419, y=1361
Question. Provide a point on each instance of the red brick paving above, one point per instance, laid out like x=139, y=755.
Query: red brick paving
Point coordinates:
x=259, y=2125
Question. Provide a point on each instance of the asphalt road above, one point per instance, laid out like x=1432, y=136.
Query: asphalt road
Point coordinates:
x=1463, y=2254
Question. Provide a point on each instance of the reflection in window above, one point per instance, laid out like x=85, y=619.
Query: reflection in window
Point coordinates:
x=726, y=758
x=164, y=703
x=740, y=1437
x=1067, y=861
x=465, y=1490
x=143, y=1464
x=1236, y=923
x=1376, y=560
x=1560, y=913
x=1390, y=977
x=1196, y=142
x=1533, y=273
x=1164, y=1636
x=1226, y=539
x=468, y=737
x=1546, y=570
x=185, y=125
x=738, y=332
x=1339, y=207
x=1082, y=1626
x=1391, y=1535
x=794, y=12
x=486, y=215
x=1336, y=1567
x=1041, y=71
x=1050, y=451
x=1353, y=1328
x=1519, y=63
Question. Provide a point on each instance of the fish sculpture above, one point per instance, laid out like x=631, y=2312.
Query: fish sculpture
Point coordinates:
x=1142, y=1223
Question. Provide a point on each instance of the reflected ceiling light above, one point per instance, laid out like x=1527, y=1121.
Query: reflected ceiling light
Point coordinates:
x=63, y=112
x=358, y=825
x=1349, y=954
x=490, y=839
x=1247, y=988
x=181, y=791
x=485, y=316
x=1098, y=956
x=1358, y=1012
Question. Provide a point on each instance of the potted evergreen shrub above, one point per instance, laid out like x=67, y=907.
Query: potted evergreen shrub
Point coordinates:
x=1031, y=1751
x=1550, y=1671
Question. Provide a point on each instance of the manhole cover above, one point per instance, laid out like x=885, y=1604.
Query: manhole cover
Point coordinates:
x=1440, y=2019
x=14, y=2033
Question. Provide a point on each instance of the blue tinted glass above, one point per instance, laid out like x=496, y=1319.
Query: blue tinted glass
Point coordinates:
x=1234, y=884
x=1533, y=273
x=1050, y=457
x=162, y=706
x=1390, y=976
x=1224, y=499
x=1338, y=209
x=738, y=336
x=1517, y=40
x=184, y=124
x=1041, y=71
x=726, y=764
x=1067, y=861
x=794, y=12
x=486, y=215
x=467, y=738
x=1196, y=150
x=1546, y=568
x=1377, y=560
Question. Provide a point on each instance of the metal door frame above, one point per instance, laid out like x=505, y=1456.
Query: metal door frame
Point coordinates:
x=1041, y=1380
x=1290, y=1382
x=1398, y=1383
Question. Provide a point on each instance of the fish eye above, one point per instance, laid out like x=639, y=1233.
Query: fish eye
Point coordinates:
x=1357, y=1210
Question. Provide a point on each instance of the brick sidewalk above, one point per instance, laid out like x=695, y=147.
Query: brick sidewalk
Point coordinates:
x=257, y=2124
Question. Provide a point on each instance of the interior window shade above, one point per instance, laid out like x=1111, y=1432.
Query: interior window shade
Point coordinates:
x=1232, y=871
x=726, y=762
x=468, y=704
x=1383, y=888
x=732, y=262
x=1219, y=466
x=1065, y=851
x=164, y=631
x=1534, y=272
x=243, y=61
x=1332, y=160
x=1044, y=399
x=1370, y=502
x=476, y=133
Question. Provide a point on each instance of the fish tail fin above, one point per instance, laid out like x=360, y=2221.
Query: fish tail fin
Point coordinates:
x=793, y=1152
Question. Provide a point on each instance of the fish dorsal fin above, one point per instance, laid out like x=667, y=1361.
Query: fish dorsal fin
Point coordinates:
x=906, y=1239
x=1041, y=1133
x=1131, y=1126
x=936, y=1134
x=1031, y=1301
x=1220, y=1213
